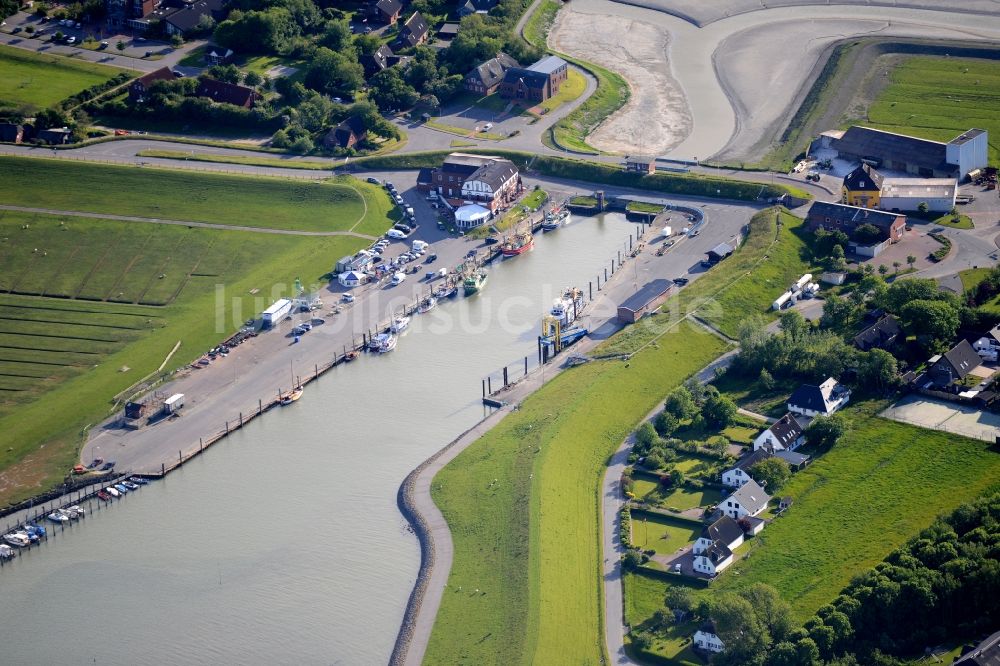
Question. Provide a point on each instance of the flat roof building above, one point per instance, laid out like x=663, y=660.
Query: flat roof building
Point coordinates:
x=648, y=298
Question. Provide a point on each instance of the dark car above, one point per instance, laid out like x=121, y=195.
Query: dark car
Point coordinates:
x=373, y=181
x=681, y=281
x=96, y=462
x=431, y=258
x=110, y=465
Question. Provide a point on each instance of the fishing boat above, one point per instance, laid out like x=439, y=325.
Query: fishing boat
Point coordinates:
x=350, y=356
x=556, y=218
x=292, y=396
x=449, y=290
x=475, y=283
x=427, y=305
x=519, y=244
x=383, y=343
x=568, y=307
x=57, y=517
x=19, y=539
x=399, y=324
x=6, y=552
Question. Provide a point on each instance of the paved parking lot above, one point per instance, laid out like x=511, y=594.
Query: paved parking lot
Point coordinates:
x=945, y=416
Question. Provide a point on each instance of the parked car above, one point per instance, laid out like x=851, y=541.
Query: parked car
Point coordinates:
x=103, y=45
x=71, y=40
x=680, y=282
x=373, y=181
x=110, y=465
x=395, y=234
x=348, y=297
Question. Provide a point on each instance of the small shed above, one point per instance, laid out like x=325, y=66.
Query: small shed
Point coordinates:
x=719, y=252
x=640, y=163
x=648, y=298
x=352, y=279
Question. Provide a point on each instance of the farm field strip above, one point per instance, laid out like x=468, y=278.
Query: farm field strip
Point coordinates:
x=337, y=204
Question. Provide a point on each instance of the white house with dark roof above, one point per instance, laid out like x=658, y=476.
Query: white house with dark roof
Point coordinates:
x=822, y=400
x=706, y=639
x=739, y=474
x=784, y=435
x=713, y=551
x=747, y=500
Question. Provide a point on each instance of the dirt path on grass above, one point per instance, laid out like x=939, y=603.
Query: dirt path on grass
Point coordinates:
x=182, y=223
x=656, y=118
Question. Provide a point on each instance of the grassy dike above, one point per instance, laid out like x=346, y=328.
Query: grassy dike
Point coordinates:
x=523, y=507
x=684, y=184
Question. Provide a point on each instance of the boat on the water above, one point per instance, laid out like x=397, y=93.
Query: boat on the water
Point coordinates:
x=57, y=517
x=292, y=396
x=76, y=510
x=350, y=356
x=475, y=283
x=427, y=305
x=383, y=343
x=35, y=529
x=111, y=490
x=519, y=244
x=556, y=218
x=399, y=324
x=6, y=552
x=18, y=539
x=568, y=307
x=138, y=479
x=449, y=290
x=122, y=489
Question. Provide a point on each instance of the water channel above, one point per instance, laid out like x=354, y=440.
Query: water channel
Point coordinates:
x=283, y=543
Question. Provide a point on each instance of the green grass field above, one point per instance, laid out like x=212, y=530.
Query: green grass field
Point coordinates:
x=659, y=533
x=281, y=162
x=643, y=207
x=879, y=486
x=530, y=542
x=33, y=79
x=938, y=98
x=770, y=258
x=571, y=89
x=342, y=204
x=101, y=303
x=643, y=597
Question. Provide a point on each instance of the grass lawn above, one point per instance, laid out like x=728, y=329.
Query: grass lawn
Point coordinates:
x=571, y=89
x=751, y=396
x=340, y=204
x=536, y=28
x=954, y=221
x=29, y=78
x=643, y=597
x=685, y=498
x=194, y=58
x=532, y=202
x=938, y=98
x=282, y=162
x=583, y=201
x=461, y=131
x=659, y=533
x=539, y=570
x=973, y=276
x=880, y=485
x=770, y=258
x=644, y=207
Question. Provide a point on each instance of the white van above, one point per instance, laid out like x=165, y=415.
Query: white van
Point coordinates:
x=420, y=246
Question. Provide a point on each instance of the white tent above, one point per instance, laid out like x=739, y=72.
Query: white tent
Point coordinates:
x=471, y=215
x=352, y=279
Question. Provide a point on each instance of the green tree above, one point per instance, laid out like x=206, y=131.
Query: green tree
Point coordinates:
x=645, y=437
x=793, y=323
x=882, y=269
x=895, y=267
x=631, y=559
x=867, y=234
x=680, y=403
x=839, y=313
x=765, y=380
x=745, y=637
x=334, y=73
x=807, y=651
x=837, y=260
x=878, y=369
x=680, y=598
x=176, y=41
x=825, y=431
x=269, y=31
x=719, y=411
x=772, y=611
x=934, y=323
x=337, y=35
x=390, y=92
x=665, y=424
x=910, y=259
x=676, y=477
x=253, y=79
x=653, y=460
x=902, y=292
x=922, y=207
x=227, y=73
x=771, y=473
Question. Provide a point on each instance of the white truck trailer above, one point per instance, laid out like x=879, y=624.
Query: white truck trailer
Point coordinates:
x=278, y=311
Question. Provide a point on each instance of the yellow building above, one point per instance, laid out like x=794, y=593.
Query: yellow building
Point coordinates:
x=862, y=187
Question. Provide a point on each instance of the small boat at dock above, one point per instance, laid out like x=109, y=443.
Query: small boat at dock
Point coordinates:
x=446, y=291
x=399, y=324
x=556, y=218
x=292, y=396
x=57, y=517
x=475, y=283
x=427, y=305
x=17, y=539
x=569, y=306
x=111, y=490
x=6, y=552
x=383, y=343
